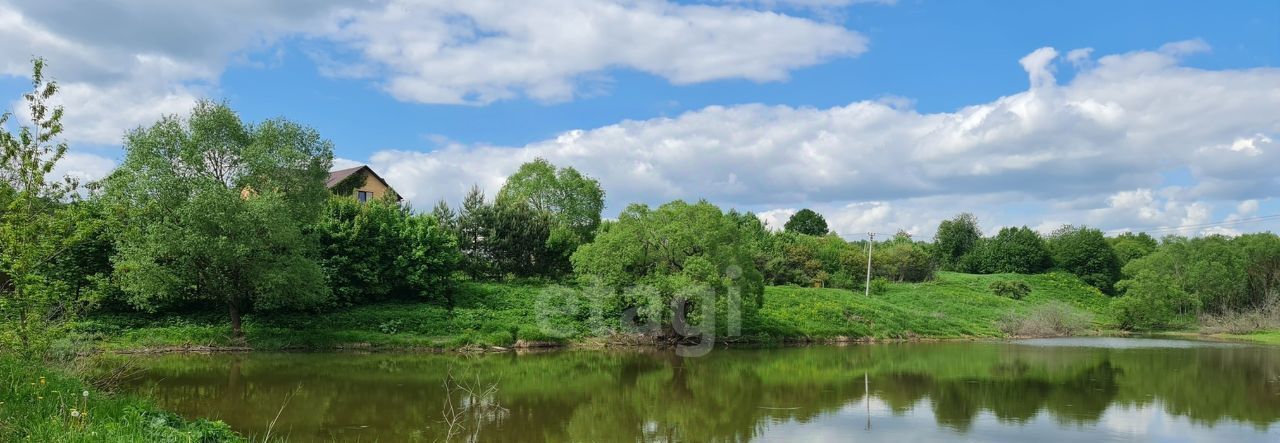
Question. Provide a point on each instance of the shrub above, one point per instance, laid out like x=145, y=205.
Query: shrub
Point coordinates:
x=1053, y=319
x=1151, y=301
x=1264, y=318
x=1014, y=289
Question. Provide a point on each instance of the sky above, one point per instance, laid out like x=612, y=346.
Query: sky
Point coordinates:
x=1161, y=116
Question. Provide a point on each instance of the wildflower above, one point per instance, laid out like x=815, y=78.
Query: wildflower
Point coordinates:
x=85, y=394
x=75, y=413
x=42, y=380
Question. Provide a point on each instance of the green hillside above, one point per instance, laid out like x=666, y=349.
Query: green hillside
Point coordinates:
x=953, y=305
x=497, y=314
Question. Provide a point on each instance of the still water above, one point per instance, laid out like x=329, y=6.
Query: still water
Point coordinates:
x=1083, y=390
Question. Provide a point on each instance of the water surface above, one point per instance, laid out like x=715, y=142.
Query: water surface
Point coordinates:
x=1085, y=390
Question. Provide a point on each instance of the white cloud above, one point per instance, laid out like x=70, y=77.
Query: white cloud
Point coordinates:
x=126, y=63
x=1079, y=57
x=776, y=219
x=1094, y=146
x=83, y=167
x=480, y=51
x=1038, y=65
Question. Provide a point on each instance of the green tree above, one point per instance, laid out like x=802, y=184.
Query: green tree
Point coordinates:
x=1130, y=246
x=1086, y=253
x=505, y=238
x=956, y=238
x=1262, y=258
x=1151, y=300
x=672, y=248
x=571, y=199
x=901, y=259
x=1017, y=250
x=806, y=222
x=379, y=249
x=36, y=227
x=213, y=209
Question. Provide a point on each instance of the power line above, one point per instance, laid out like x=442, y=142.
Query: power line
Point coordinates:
x=1225, y=223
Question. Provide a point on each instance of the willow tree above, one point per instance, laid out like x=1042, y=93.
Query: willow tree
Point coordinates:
x=211, y=208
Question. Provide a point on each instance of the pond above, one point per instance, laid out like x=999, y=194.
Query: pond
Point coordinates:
x=1087, y=390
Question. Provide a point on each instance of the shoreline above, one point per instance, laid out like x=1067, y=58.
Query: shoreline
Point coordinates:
x=597, y=343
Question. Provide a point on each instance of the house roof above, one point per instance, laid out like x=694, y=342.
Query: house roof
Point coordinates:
x=338, y=176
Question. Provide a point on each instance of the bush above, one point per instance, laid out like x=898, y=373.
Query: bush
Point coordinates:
x=1151, y=301
x=1053, y=319
x=1014, y=289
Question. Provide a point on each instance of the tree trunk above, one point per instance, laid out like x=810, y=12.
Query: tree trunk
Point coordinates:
x=237, y=334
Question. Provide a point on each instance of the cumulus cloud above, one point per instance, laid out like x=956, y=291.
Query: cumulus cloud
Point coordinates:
x=480, y=51
x=1065, y=151
x=123, y=64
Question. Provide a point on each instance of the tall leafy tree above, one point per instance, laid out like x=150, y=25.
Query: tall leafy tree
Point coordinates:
x=211, y=208
x=1085, y=252
x=1019, y=250
x=36, y=228
x=671, y=248
x=956, y=238
x=572, y=200
x=807, y=222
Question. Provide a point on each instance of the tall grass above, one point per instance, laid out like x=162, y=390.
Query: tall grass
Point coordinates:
x=1265, y=318
x=1052, y=319
x=41, y=404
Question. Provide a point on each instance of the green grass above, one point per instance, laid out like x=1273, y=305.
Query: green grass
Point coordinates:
x=487, y=314
x=38, y=403
x=952, y=306
x=1265, y=337
x=498, y=314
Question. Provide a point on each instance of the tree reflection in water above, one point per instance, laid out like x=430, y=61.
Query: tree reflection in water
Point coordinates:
x=728, y=395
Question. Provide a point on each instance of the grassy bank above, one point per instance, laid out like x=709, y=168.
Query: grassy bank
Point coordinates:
x=38, y=403
x=952, y=306
x=497, y=314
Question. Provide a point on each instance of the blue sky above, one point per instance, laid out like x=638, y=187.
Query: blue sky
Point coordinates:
x=883, y=116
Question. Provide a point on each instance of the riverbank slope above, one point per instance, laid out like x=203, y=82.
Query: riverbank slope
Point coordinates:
x=502, y=314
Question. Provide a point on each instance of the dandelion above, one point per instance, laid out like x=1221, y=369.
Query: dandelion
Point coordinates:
x=42, y=381
x=85, y=394
x=75, y=413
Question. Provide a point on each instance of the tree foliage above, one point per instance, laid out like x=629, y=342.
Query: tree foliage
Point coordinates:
x=380, y=250
x=806, y=222
x=1018, y=250
x=1130, y=246
x=37, y=228
x=817, y=261
x=670, y=249
x=573, y=202
x=956, y=238
x=505, y=238
x=211, y=208
x=1085, y=252
x=903, y=260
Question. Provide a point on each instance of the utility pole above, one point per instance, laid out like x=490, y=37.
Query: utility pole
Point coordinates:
x=871, y=239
